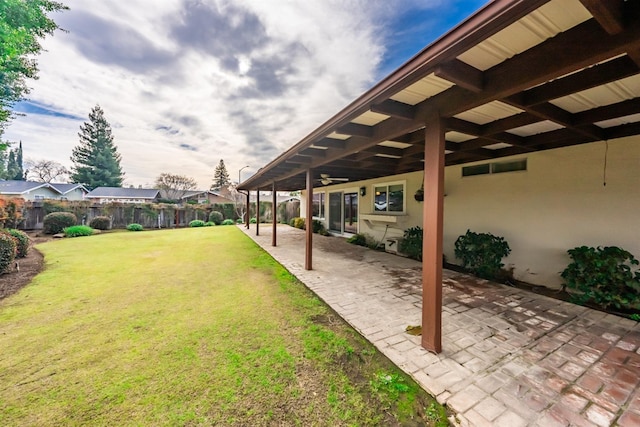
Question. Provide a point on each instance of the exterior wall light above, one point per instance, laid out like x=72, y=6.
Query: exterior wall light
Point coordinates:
x=363, y=191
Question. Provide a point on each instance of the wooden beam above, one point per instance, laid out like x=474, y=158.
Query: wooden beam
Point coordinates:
x=356, y=129
x=607, y=112
x=462, y=74
x=330, y=143
x=308, y=247
x=274, y=214
x=396, y=109
x=588, y=78
x=608, y=13
x=508, y=123
x=432, y=226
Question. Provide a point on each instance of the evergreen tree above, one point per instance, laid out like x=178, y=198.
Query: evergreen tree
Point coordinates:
x=12, y=166
x=18, y=173
x=96, y=162
x=220, y=177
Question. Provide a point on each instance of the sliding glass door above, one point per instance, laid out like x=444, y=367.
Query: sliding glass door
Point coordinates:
x=343, y=212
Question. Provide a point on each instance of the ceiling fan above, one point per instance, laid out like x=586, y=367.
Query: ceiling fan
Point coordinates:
x=326, y=179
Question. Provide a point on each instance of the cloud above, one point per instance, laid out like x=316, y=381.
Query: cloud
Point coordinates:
x=111, y=43
x=187, y=83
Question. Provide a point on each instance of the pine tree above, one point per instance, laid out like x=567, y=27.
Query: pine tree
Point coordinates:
x=12, y=166
x=220, y=177
x=18, y=173
x=96, y=162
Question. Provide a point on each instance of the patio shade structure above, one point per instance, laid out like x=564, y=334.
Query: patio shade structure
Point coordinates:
x=516, y=77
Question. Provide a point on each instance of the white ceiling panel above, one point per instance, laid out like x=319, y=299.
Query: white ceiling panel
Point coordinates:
x=543, y=23
x=536, y=128
x=489, y=112
x=610, y=93
x=370, y=118
x=422, y=89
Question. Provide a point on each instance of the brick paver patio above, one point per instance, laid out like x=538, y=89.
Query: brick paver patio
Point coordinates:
x=510, y=357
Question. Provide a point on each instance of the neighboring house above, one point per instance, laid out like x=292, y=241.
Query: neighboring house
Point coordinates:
x=29, y=190
x=522, y=121
x=123, y=195
x=71, y=191
x=205, y=196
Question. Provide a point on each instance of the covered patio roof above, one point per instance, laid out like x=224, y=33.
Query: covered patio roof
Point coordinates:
x=516, y=77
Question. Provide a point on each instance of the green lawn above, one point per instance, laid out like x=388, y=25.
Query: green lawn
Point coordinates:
x=187, y=327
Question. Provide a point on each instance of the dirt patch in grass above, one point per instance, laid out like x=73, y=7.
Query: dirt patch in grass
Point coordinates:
x=23, y=270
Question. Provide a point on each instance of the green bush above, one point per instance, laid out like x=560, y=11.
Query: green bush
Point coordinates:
x=297, y=222
x=253, y=220
x=216, y=217
x=196, y=223
x=100, y=223
x=239, y=221
x=134, y=227
x=607, y=276
x=7, y=251
x=78, y=231
x=56, y=222
x=411, y=243
x=209, y=224
x=22, y=242
x=228, y=222
x=358, y=239
x=318, y=227
x=482, y=253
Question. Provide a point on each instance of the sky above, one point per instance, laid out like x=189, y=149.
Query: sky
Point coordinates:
x=186, y=83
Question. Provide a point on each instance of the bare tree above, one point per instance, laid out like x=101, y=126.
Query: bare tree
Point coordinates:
x=239, y=200
x=45, y=171
x=175, y=186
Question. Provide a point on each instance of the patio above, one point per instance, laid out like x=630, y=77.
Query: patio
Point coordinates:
x=509, y=358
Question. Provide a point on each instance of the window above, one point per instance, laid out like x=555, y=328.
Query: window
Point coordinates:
x=318, y=205
x=496, y=167
x=389, y=198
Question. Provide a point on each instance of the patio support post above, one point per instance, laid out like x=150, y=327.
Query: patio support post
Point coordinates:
x=248, y=206
x=308, y=249
x=432, y=222
x=258, y=212
x=274, y=213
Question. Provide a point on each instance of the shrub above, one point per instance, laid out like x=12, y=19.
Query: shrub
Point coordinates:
x=56, y=222
x=22, y=242
x=239, y=221
x=297, y=222
x=482, y=253
x=196, y=223
x=607, y=276
x=358, y=239
x=209, y=224
x=78, y=231
x=216, y=217
x=411, y=243
x=253, y=220
x=228, y=222
x=7, y=251
x=134, y=227
x=100, y=223
x=318, y=227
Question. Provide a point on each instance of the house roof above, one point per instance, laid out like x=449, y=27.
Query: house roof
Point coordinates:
x=66, y=188
x=21, y=187
x=516, y=77
x=123, y=193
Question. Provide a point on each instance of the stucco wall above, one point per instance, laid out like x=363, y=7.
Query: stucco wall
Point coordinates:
x=557, y=204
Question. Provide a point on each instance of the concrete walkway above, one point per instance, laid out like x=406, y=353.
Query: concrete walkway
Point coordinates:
x=510, y=357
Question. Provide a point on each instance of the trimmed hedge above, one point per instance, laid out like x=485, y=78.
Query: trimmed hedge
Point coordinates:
x=228, y=222
x=216, y=217
x=56, y=222
x=22, y=242
x=78, y=231
x=100, y=223
x=196, y=223
x=135, y=227
x=7, y=251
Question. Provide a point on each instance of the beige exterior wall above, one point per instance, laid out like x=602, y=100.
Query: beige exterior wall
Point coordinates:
x=559, y=203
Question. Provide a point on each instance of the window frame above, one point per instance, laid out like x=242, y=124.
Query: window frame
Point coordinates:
x=389, y=184
x=322, y=205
